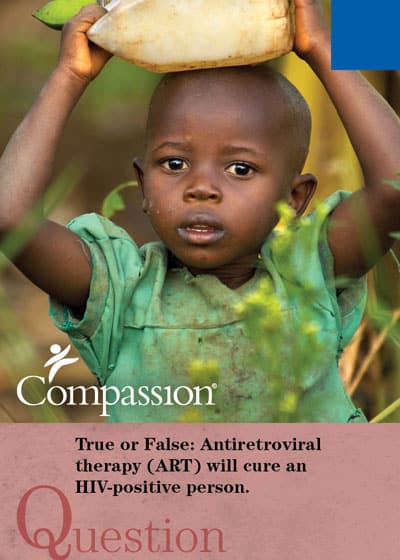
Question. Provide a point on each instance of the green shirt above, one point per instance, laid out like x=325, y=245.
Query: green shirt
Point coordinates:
x=145, y=324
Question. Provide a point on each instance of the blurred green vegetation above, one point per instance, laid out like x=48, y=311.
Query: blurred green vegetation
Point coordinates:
x=28, y=61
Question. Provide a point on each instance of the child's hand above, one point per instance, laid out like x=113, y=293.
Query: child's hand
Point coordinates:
x=78, y=56
x=311, y=31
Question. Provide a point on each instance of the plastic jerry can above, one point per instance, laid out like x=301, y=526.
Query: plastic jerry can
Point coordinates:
x=175, y=35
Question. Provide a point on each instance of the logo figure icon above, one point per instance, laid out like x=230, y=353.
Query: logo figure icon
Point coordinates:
x=58, y=360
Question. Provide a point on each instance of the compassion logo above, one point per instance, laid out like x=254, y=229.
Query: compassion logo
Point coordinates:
x=107, y=395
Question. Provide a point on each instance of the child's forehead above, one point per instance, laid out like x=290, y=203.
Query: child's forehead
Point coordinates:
x=213, y=86
x=250, y=92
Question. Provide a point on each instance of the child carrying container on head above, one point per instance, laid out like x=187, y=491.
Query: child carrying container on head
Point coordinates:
x=223, y=147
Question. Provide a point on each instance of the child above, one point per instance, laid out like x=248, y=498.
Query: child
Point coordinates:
x=223, y=147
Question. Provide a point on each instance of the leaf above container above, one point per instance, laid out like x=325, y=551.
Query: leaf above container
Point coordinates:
x=56, y=13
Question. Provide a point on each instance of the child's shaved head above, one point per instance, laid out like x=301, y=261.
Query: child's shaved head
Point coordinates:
x=259, y=89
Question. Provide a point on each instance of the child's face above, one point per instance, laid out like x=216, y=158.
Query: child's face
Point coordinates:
x=214, y=169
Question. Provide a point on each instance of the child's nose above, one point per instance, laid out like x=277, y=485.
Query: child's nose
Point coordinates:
x=202, y=187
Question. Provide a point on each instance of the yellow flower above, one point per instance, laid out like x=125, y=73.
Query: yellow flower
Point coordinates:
x=190, y=415
x=309, y=328
x=289, y=403
x=286, y=213
x=204, y=372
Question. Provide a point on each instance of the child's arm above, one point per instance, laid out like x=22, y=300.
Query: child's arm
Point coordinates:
x=374, y=130
x=54, y=258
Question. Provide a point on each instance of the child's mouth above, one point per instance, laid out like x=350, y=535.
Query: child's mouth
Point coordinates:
x=202, y=232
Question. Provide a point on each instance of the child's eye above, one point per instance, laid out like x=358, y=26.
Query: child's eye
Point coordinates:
x=174, y=164
x=240, y=169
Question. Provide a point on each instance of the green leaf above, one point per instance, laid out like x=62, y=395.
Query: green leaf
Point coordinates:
x=395, y=258
x=388, y=411
x=112, y=204
x=114, y=201
x=395, y=184
x=395, y=235
x=56, y=13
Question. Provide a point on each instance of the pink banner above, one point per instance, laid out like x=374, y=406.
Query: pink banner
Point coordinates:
x=175, y=491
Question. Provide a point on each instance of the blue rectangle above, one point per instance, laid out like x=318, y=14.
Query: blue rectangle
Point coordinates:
x=365, y=34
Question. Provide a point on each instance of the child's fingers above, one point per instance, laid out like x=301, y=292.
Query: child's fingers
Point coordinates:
x=311, y=28
x=77, y=55
x=84, y=19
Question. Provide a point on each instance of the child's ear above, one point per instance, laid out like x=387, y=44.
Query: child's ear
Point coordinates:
x=301, y=192
x=138, y=168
